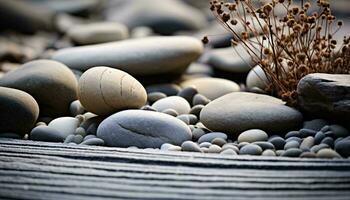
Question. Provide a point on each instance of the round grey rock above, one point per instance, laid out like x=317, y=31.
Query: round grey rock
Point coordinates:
x=143, y=129
x=229, y=114
x=250, y=149
x=179, y=104
x=252, y=135
x=210, y=136
x=190, y=146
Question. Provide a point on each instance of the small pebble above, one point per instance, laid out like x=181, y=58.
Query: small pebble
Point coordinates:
x=210, y=136
x=88, y=137
x=205, y=149
x=307, y=132
x=307, y=143
x=278, y=142
x=268, y=152
x=93, y=141
x=148, y=108
x=171, y=112
x=214, y=149
x=80, y=131
x=228, y=152
x=297, y=139
x=69, y=139
x=76, y=108
x=307, y=155
x=196, y=110
x=184, y=118
x=188, y=93
x=205, y=144
x=325, y=128
x=252, y=135
x=190, y=146
x=155, y=96
x=292, y=152
x=250, y=149
x=265, y=145
x=230, y=146
x=318, y=147
x=327, y=153
x=197, y=133
x=291, y=144
x=78, y=139
x=319, y=137
x=292, y=134
x=200, y=99
x=219, y=141
x=329, y=141
x=242, y=144
x=279, y=152
x=343, y=148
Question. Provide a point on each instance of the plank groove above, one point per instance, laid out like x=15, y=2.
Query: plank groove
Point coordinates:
x=39, y=170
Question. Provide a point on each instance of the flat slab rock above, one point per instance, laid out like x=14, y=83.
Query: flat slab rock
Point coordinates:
x=40, y=170
x=325, y=95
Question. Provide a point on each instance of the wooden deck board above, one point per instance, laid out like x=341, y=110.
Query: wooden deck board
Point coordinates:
x=39, y=170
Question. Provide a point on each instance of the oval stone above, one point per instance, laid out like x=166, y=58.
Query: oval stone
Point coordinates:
x=252, y=135
x=179, y=104
x=104, y=90
x=18, y=111
x=143, y=129
x=51, y=84
x=212, y=88
x=240, y=111
x=139, y=57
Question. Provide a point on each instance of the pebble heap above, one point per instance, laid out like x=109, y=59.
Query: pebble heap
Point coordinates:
x=143, y=80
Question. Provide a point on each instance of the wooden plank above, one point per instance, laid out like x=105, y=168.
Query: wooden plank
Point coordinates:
x=39, y=170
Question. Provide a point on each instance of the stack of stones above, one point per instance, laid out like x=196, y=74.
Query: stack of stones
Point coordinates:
x=122, y=84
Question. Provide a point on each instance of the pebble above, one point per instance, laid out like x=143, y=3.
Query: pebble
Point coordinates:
x=98, y=32
x=89, y=137
x=307, y=143
x=299, y=140
x=52, y=84
x=319, y=137
x=252, y=135
x=93, y=141
x=230, y=146
x=318, y=147
x=184, y=118
x=257, y=78
x=210, y=136
x=196, y=110
x=78, y=139
x=148, y=108
x=190, y=146
x=171, y=112
x=170, y=147
x=292, y=134
x=278, y=142
x=143, y=129
x=292, y=152
x=197, y=133
x=229, y=114
x=291, y=144
x=307, y=155
x=76, y=108
x=205, y=144
x=69, y=139
x=212, y=88
x=179, y=104
x=250, y=149
x=265, y=145
x=104, y=90
x=46, y=134
x=268, y=152
x=325, y=128
x=219, y=141
x=315, y=124
x=18, y=111
x=214, y=149
x=228, y=152
x=155, y=96
x=188, y=93
x=279, y=152
x=329, y=141
x=200, y=99
x=339, y=131
x=65, y=125
x=327, y=153
x=343, y=148
x=307, y=132
x=155, y=55
x=242, y=144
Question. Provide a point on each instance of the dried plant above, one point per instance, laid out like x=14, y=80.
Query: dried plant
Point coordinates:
x=288, y=47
